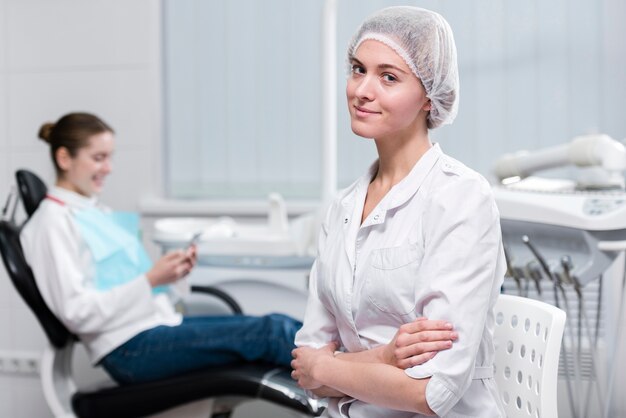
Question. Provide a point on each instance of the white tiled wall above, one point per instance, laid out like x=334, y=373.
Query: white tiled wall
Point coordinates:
x=80, y=34
x=100, y=56
x=3, y=31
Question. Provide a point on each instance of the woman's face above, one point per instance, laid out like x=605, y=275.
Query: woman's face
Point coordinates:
x=384, y=96
x=85, y=172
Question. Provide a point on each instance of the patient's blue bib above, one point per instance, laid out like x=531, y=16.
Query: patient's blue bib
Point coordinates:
x=113, y=239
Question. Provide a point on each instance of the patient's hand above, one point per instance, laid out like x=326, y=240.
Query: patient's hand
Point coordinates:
x=417, y=342
x=171, y=267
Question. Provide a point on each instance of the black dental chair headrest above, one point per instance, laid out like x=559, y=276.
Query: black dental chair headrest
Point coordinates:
x=32, y=190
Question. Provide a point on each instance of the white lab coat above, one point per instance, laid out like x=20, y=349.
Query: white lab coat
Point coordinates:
x=432, y=247
x=64, y=271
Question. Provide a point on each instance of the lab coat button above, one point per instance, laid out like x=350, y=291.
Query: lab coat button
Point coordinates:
x=345, y=221
x=376, y=217
x=448, y=167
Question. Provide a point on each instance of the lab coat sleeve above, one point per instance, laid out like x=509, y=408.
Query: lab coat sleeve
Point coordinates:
x=460, y=271
x=55, y=259
x=319, y=327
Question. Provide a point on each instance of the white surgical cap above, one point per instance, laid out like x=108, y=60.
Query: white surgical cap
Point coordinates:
x=424, y=40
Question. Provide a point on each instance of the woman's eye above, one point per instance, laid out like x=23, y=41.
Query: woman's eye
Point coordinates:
x=389, y=77
x=357, y=69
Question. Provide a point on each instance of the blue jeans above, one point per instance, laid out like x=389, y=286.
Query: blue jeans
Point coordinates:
x=200, y=342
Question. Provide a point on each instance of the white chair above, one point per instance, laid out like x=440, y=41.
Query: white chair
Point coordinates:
x=528, y=341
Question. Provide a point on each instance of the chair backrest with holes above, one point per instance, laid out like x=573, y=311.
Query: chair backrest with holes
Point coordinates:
x=528, y=341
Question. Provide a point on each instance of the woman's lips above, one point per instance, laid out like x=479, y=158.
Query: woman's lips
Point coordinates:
x=364, y=112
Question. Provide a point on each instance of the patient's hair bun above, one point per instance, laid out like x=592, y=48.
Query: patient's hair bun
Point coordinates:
x=45, y=131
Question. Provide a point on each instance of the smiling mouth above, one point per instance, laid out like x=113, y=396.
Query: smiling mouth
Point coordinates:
x=364, y=110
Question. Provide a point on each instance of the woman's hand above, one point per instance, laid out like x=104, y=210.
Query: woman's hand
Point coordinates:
x=172, y=267
x=327, y=392
x=305, y=360
x=417, y=342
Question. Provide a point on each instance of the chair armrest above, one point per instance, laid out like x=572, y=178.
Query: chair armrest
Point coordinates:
x=220, y=294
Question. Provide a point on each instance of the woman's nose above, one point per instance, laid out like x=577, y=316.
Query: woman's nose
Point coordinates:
x=107, y=166
x=364, y=89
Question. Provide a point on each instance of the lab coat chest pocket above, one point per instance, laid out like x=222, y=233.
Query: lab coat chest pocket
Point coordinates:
x=392, y=279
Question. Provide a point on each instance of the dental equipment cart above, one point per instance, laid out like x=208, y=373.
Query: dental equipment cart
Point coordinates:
x=565, y=243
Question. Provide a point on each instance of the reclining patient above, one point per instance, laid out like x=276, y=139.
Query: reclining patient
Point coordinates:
x=96, y=277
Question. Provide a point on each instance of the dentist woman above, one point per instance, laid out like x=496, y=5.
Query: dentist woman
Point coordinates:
x=96, y=277
x=417, y=235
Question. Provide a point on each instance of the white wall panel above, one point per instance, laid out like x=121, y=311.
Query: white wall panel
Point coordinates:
x=243, y=114
x=490, y=83
x=3, y=111
x=5, y=175
x=243, y=27
x=6, y=313
x=212, y=125
x=26, y=334
x=613, y=65
x=553, y=98
x=74, y=33
x=584, y=55
x=180, y=104
x=28, y=400
x=303, y=76
x=462, y=140
x=273, y=84
x=37, y=161
x=3, y=35
x=123, y=98
x=6, y=396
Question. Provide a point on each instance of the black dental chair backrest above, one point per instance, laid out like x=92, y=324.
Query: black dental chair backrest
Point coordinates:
x=32, y=190
x=24, y=281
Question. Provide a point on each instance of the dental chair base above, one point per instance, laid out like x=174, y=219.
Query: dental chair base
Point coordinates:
x=233, y=384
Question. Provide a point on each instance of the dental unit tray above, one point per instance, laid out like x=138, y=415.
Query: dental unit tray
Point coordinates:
x=589, y=227
x=223, y=242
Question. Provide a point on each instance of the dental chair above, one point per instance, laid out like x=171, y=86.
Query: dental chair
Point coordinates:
x=227, y=386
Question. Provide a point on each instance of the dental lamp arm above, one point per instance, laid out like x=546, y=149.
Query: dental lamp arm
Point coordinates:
x=588, y=150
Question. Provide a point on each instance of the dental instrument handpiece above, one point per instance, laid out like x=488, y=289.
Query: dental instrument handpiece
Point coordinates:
x=511, y=271
x=555, y=280
x=534, y=272
x=538, y=256
x=576, y=343
x=566, y=263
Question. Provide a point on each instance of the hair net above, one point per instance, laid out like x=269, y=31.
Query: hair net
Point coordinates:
x=424, y=40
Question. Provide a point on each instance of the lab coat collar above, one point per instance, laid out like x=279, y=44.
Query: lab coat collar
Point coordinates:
x=409, y=185
x=73, y=199
x=398, y=195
